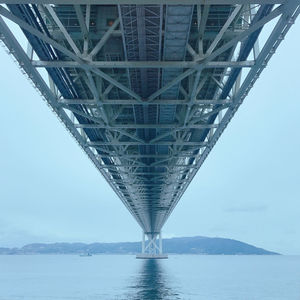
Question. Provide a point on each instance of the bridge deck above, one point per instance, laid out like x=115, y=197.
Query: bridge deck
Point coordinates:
x=146, y=90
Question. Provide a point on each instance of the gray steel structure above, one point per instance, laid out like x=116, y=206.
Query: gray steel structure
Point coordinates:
x=146, y=87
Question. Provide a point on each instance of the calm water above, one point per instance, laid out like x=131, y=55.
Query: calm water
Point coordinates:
x=60, y=277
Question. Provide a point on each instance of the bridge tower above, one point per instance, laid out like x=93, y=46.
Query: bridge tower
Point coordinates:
x=152, y=247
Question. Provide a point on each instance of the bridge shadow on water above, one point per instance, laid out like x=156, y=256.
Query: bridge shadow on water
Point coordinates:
x=152, y=283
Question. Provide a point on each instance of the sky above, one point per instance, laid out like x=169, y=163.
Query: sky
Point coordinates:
x=247, y=189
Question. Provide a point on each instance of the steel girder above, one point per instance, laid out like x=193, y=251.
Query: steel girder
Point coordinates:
x=147, y=132
x=147, y=2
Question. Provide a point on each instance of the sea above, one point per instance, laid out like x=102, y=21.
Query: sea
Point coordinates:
x=116, y=277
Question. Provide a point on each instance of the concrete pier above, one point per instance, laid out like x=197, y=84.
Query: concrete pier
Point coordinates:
x=151, y=256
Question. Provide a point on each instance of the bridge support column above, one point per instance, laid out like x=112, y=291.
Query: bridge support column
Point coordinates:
x=152, y=248
x=160, y=243
x=143, y=243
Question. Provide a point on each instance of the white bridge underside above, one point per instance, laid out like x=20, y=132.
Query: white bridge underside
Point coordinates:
x=146, y=90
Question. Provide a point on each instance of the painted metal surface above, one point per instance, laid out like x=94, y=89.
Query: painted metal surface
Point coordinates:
x=146, y=90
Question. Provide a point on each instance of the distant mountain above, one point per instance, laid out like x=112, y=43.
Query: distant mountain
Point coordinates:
x=183, y=245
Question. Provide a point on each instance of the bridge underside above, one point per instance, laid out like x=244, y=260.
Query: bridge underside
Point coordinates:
x=146, y=90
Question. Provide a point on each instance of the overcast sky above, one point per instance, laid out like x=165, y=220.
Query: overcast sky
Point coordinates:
x=248, y=188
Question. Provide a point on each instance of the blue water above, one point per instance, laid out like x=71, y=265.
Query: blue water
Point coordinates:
x=116, y=277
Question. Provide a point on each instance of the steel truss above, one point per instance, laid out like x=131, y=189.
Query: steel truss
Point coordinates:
x=148, y=93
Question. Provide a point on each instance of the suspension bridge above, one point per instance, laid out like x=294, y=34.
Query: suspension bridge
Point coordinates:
x=146, y=87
